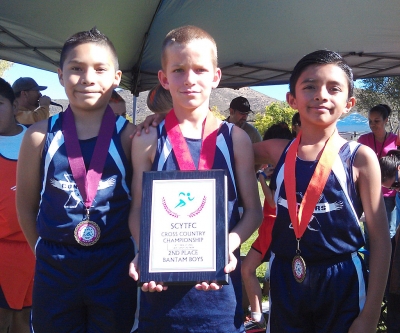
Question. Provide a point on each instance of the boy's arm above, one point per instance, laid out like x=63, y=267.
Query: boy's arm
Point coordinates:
x=268, y=193
x=28, y=180
x=367, y=172
x=247, y=187
x=142, y=156
x=126, y=139
x=269, y=151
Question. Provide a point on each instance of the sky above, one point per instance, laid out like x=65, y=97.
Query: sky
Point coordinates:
x=56, y=91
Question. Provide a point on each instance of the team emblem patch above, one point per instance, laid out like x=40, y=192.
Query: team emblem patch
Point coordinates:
x=299, y=268
x=87, y=233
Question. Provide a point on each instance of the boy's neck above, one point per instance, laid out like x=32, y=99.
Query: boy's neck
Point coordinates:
x=88, y=122
x=191, y=121
x=12, y=130
x=313, y=141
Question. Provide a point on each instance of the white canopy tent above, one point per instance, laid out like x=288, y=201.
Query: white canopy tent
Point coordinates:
x=259, y=41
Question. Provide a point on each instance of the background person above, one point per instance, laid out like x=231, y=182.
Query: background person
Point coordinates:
x=239, y=110
x=296, y=124
x=390, y=170
x=381, y=141
x=17, y=261
x=159, y=100
x=258, y=252
x=118, y=104
x=31, y=105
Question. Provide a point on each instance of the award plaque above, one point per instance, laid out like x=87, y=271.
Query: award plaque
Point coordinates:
x=184, y=227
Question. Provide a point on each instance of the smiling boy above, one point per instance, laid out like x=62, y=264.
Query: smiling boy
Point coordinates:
x=73, y=199
x=190, y=72
x=323, y=184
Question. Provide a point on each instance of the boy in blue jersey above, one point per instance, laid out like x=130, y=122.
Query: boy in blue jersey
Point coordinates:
x=317, y=279
x=189, y=72
x=73, y=199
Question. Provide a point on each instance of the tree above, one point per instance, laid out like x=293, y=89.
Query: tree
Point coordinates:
x=4, y=65
x=379, y=90
x=274, y=113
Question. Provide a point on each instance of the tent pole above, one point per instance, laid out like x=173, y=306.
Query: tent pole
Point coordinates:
x=134, y=100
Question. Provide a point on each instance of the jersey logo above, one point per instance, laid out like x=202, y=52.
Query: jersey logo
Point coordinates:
x=70, y=187
x=320, y=208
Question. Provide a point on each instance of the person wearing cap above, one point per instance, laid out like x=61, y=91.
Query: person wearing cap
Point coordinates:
x=31, y=105
x=239, y=109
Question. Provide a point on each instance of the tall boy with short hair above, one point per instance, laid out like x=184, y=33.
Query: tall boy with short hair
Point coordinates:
x=73, y=199
x=189, y=72
x=17, y=262
x=322, y=185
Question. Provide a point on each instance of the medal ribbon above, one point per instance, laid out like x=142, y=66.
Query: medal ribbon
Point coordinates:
x=87, y=182
x=301, y=217
x=180, y=147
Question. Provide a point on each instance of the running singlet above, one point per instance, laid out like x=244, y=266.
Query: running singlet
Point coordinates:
x=9, y=150
x=61, y=206
x=334, y=227
x=183, y=308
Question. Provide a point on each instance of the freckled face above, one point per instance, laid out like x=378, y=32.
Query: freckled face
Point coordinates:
x=89, y=76
x=189, y=74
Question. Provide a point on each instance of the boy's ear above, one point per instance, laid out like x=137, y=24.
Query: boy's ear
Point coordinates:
x=60, y=76
x=15, y=105
x=349, y=104
x=117, y=78
x=291, y=100
x=217, y=77
x=163, y=79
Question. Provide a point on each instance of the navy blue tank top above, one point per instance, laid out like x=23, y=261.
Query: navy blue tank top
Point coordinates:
x=334, y=227
x=183, y=308
x=61, y=206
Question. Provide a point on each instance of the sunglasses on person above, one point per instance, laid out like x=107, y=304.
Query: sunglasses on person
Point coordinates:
x=396, y=184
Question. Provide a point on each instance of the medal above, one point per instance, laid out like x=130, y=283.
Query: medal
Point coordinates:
x=301, y=215
x=87, y=232
x=299, y=265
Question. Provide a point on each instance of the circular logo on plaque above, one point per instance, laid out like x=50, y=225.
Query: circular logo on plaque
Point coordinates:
x=87, y=233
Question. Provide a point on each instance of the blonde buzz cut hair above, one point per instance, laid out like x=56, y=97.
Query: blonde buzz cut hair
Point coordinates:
x=183, y=36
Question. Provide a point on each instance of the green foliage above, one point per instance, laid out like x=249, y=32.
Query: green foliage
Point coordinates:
x=274, y=113
x=4, y=65
x=379, y=90
x=217, y=114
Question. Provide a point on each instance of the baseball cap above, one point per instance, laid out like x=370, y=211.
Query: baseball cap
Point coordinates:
x=26, y=83
x=241, y=104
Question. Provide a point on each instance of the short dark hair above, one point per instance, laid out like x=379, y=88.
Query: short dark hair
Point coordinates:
x=92, y=36
x=296, y=119
x=6, y=90
x=383, y=109
x=389, y=164
x=321, y=57
x=184, y=35
x=277, y=131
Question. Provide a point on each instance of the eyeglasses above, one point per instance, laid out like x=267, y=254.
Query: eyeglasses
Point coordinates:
x=396, y=183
